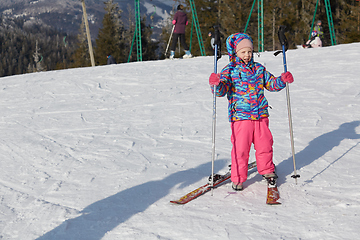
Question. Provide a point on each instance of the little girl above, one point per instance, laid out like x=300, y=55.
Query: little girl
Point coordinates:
x=243, y=81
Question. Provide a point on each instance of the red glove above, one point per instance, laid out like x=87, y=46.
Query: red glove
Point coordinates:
x=214, y=79
x=173, y=22
x=287, y=77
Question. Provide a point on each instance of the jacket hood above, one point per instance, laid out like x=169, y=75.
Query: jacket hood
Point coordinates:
x=232, y=41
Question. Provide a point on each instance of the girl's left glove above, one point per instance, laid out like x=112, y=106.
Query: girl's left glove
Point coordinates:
x=287, y=77
x=214, y=79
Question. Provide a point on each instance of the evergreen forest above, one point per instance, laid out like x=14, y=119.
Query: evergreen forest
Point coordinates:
x=27, y=47
x=30, y=47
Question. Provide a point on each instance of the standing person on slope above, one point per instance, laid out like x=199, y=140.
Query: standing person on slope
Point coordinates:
x=318, y=29
x=180, y=21
x=243, y=81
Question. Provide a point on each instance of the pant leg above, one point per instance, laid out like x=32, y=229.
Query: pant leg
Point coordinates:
x=263, y=144
x=183, y=43
x=174, y=41
x=241, y=138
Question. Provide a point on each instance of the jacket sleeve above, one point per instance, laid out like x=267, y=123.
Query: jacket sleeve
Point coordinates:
x=272, y=83
x=225, y=82
x=175, y=17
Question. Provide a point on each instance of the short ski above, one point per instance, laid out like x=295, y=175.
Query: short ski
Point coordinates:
x=219, y=179
x=272, y=193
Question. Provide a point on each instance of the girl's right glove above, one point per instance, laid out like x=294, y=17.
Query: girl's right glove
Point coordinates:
x=214, y=79
x=287, y=77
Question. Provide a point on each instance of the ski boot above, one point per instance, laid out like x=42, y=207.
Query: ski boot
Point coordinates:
x=237, y=186
x=217, y=177
x=187, y=54
x=172, y=54
x=270, y=179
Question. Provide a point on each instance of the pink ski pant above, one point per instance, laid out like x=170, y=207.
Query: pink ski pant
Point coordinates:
x=244, y=133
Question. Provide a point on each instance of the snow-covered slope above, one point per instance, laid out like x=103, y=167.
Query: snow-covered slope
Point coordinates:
x=98, y=153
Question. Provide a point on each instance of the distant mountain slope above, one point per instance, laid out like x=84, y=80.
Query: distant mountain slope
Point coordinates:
x=66, y=15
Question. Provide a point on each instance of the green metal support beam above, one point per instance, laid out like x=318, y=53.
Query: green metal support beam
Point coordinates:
x=260, y=23
x=330, y=21
x=138, y=31
x=197, y=28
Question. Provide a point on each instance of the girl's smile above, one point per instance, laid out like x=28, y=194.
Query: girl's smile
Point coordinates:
x=245, y=54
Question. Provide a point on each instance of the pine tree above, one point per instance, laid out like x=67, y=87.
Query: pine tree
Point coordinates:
x=110, y=39
x=149, y=46
x=347, y=15
x=37, y=58
x=81, y=57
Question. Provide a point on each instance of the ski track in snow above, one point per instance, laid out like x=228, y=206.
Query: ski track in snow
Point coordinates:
x=98, y=153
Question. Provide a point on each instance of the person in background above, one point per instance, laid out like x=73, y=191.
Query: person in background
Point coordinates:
x=314, y=41
x=212, y=40
x=243, y=81
x=110, y=59
x=318, y=29
x=180, y=21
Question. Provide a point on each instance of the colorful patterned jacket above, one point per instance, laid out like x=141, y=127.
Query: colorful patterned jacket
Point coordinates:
x=244, y=85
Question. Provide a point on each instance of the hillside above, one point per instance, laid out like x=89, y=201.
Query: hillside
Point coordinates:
x=98, y=153
x=66, y=15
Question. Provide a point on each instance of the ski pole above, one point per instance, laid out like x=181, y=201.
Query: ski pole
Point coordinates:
x=167, y=47
x=217, y=55
x=284, y=44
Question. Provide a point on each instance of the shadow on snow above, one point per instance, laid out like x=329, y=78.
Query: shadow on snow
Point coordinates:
x=317, y=148
x=104, y=215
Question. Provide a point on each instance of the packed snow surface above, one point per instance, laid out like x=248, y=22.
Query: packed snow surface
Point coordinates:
x=98, y=153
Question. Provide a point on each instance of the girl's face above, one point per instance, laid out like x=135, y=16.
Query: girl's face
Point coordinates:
x=245, y=54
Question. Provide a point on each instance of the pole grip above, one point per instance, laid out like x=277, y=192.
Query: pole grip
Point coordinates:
x=281, y=34
x=217, y=42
